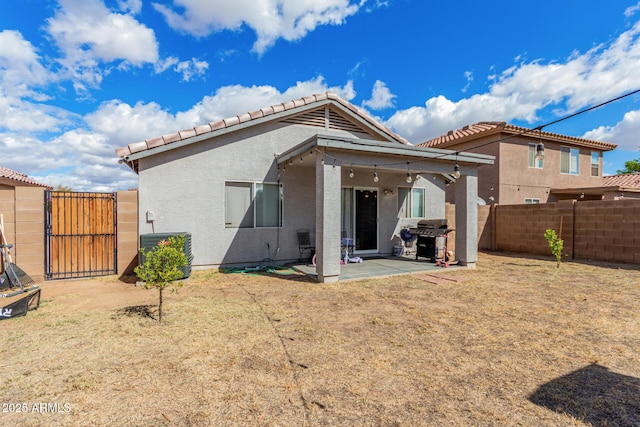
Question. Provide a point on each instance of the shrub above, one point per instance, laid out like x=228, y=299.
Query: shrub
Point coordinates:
x=162, y=267
x=556, y=244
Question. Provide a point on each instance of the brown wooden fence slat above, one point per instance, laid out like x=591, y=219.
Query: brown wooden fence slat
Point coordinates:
x=80, y=234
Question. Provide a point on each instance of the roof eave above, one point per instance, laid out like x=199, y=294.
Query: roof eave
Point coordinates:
x=379, y=147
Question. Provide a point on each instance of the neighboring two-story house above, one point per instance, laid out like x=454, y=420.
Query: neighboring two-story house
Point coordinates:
x=531, y=166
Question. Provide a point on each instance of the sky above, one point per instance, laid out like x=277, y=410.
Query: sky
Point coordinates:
x=80, y=78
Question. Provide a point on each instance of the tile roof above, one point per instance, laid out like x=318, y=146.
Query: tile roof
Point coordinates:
x=246, y=117
x=627, y=180
x=471, y=132
x=19, y=177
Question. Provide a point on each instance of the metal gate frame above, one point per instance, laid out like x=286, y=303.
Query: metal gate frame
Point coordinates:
x=80, y=234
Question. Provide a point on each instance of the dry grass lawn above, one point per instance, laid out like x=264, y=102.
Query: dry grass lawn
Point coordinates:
x=514, y=342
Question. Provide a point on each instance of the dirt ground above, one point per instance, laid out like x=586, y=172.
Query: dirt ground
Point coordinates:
x=514, y=342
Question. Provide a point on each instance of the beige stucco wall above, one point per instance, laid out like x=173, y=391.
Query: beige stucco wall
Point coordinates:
x=517, y=181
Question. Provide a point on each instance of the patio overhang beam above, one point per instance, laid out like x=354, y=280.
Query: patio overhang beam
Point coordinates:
x=409, y=152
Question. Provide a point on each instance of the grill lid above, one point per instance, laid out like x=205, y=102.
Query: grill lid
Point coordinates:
x=431, y=228
x=432, y=223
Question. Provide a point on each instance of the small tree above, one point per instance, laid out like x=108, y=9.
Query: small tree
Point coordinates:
x=556, y=244
x=162, y=266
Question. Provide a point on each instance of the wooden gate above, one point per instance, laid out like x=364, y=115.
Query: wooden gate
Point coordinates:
x=80, y=238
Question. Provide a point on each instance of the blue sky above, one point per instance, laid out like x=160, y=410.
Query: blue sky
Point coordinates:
x=79, y=78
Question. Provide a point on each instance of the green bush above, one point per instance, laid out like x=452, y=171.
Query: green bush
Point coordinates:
x=556, y=244
x=162, y=267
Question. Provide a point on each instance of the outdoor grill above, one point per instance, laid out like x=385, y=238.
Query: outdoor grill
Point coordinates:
x=432, y=238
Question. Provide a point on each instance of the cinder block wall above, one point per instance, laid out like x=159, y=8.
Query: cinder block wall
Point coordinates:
x=127, y=223
x=521, y=228
x=601, y=230
x=608, y=231
x=485, y=227
x=23, y=212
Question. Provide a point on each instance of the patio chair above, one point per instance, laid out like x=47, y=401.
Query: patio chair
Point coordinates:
x=304, y=244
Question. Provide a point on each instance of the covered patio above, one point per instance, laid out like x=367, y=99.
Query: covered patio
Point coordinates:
x=338, y=163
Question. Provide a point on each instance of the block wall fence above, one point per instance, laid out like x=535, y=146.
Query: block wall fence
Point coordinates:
x=22, y=209
x=600, y=230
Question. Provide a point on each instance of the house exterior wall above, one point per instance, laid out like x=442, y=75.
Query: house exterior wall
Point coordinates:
x=510, y=180
x=185, y=190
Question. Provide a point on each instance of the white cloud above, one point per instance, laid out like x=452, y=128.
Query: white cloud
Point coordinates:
x=188, y=69
x=20, y=67
x=229, y=101
x=88, y=34
x=84, y=159
x=131, y=6
x=468, y=75
x=519, y=92
x=631, y=10
x=624, y=133
x=19, y=115
x=270, y=19
x=381, y=97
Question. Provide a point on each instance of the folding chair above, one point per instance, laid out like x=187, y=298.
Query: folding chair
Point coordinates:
x=304, y=244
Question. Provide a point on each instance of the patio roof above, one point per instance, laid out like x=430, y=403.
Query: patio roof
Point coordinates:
x=408, y=152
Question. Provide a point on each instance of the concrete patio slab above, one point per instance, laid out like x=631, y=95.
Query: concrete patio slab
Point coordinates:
x=379, y=267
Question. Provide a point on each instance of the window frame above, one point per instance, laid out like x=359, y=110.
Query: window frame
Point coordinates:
x=409, y=211
x=531, y=201
x=596, y=164
x=254, y=204
x=570, y=152
x=537, y=164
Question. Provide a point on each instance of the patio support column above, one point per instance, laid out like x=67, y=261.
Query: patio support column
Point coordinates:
x=328, y=178
x=467, y=220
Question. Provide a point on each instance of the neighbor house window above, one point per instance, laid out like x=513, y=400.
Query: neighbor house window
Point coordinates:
x=533, y=162
x=569, y=160
x=248, y=203
x=411, y=202
x=595, y=163
x=531, y=201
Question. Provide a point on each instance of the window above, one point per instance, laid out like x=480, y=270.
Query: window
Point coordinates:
x=531, y=201
x=533, y=162
x=569, y=160
x=243, y=210
x=595, y=163
x=268, y=205
x=411, y=202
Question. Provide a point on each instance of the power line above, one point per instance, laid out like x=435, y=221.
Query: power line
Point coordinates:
x=539, y=128
x=524, y=132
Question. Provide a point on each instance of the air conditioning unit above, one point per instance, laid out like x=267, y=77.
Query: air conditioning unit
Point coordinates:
x=151, y=240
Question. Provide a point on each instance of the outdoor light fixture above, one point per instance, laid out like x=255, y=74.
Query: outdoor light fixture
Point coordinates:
x=351, y=174
x=409, y=179
x=375, y=174
x=540, y=147
x=456, y=171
